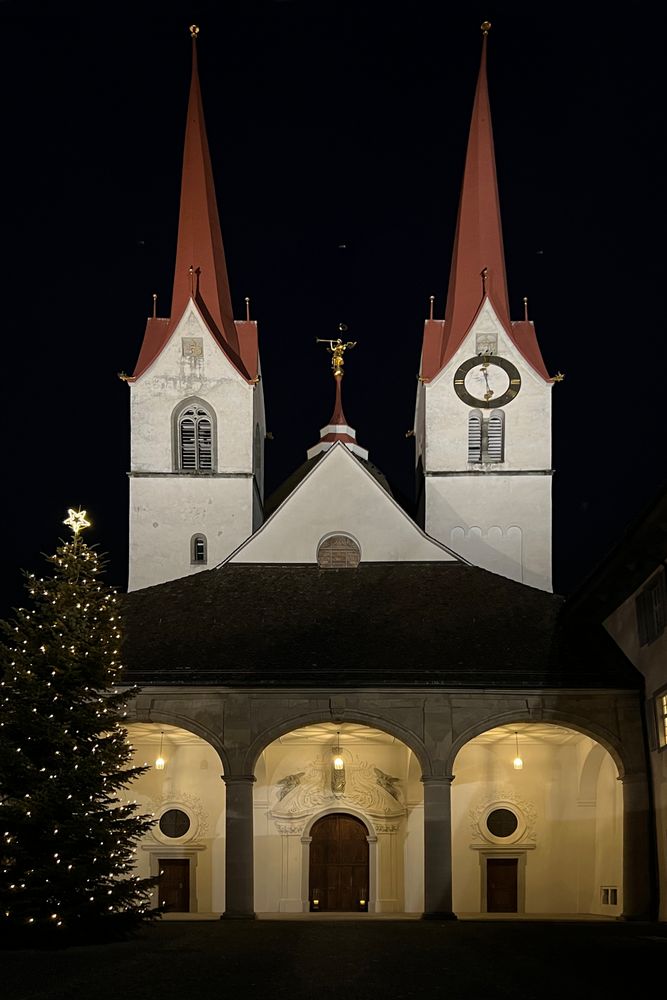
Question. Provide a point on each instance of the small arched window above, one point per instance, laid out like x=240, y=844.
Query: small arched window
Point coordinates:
x=198, y=550
x=195, y=440
x=496, y=437
x=474, y=436
x=338, y=552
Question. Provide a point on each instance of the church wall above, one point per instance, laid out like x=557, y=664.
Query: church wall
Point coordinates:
x=328, y=501
x=163, y=519
x=191, y=781
x=504, y=527
x=528, y=416
x=567, y=846
x=174, y=378
x=281, y=870
x=492, y=514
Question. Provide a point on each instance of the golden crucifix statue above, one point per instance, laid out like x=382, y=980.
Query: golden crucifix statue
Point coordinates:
x=337, y=349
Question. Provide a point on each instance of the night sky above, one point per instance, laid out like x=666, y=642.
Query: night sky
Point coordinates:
x=338, y=135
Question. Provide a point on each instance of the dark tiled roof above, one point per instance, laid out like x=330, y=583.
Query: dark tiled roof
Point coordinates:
x=380, y=625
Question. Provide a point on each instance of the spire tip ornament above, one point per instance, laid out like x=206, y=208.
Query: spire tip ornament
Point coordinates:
x=485, y=27
x=337, y=349
x=76, y=520
x=194, y=31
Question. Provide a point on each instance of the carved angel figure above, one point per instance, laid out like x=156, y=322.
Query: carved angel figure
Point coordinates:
x=387, y=782
x=287, y=784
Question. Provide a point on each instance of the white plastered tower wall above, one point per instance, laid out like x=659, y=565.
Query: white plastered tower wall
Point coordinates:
x=168, y=506
x=496, y=515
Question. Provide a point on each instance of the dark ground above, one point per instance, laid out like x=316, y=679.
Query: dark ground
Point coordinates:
x=465, y=960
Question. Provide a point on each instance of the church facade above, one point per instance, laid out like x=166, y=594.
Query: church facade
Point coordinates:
x=403, y=715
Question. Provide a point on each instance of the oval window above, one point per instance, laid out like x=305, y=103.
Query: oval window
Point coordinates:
x=502, y=823
x=338, y=552
x=174, y=823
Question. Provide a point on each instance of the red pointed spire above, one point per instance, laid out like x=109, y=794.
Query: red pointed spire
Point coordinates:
x=338, y=428
x=199, y=238
x=478, y=259
x=201, y=270
x=478, y=245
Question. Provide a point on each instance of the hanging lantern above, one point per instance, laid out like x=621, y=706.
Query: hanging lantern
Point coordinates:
x=159, y=760
x=337, y=770
x=517, y=762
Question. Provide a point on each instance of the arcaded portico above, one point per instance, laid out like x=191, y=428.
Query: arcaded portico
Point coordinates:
x=416, y=790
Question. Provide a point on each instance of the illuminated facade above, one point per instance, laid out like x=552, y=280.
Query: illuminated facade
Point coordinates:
x=361, y=681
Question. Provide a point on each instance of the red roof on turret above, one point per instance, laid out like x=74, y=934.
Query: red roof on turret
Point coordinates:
x=201, y=270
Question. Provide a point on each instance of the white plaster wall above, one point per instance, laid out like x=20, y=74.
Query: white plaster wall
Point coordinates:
x=574, y=843
x=173, y=378
x=166, y=506
x=502, y=523
x=192, y=772
x=339, y=496
x=166, y=512
x=527, y=417
x=479, y=496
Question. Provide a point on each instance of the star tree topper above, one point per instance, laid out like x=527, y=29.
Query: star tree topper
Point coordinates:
x=76, y=520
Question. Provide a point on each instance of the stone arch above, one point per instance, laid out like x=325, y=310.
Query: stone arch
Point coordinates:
x=590, y=772
x=272, y=733
x=562, y=718
x=151, y=716
x=340, y=808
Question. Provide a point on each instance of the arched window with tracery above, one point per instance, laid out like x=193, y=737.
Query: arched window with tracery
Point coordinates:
x=194, y=431
x=338, y=552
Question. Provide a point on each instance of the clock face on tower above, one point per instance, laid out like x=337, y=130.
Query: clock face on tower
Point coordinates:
x=487, y=380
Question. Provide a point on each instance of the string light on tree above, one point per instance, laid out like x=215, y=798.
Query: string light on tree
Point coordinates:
x=68, y=839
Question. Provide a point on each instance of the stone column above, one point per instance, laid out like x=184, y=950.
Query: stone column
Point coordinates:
x=239, y=861
x=438, y=847
x=636, y=848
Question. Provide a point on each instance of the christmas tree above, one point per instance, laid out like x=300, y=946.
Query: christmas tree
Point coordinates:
x=68, y=839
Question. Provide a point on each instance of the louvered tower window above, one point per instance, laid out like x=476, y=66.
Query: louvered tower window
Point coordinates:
x=195, y=440
x=475, y=436
x=496, y=437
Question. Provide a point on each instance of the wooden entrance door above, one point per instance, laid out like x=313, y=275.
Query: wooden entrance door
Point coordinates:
x=175, y=884
x=501, y=885
x=339, y=864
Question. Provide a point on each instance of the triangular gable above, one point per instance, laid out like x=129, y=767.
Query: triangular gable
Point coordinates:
x=339, y=496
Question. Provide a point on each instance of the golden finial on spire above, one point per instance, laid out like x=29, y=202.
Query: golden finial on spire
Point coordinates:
x=337, y=349
x=525, y=308
x=247, y=307
x=76, y=520
x=154, y=304
x=485, y=27
x=194, y=31
x=191, y=272
x=431, y=300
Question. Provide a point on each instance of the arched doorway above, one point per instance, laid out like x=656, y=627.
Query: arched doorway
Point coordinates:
x=376, y=788
x=339, y=873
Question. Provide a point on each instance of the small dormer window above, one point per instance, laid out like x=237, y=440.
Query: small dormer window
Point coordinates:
x=198, y=552
x=338, y=552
